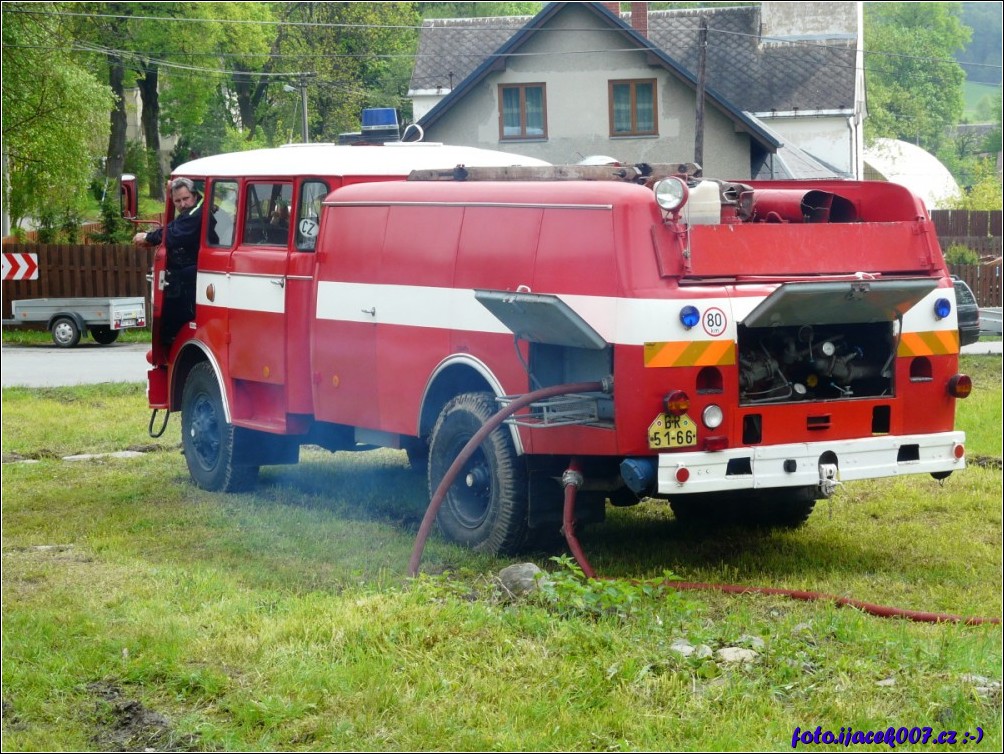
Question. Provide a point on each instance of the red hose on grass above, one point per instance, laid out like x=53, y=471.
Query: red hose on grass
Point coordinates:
x=472, y=445
x=568, y=517
x=572, y=480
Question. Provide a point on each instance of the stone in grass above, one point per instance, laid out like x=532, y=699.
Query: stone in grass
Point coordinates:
x=735, y=655
x=522, y=578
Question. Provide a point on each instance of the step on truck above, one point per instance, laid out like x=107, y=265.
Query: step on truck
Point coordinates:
x=758, y=343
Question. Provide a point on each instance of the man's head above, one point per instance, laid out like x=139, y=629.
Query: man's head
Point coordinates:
x=183, y=195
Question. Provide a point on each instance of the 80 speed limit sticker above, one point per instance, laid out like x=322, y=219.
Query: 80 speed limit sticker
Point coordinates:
x=714, y=320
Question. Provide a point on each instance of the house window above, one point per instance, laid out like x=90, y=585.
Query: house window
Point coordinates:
x=522, y=111
x=632, y=108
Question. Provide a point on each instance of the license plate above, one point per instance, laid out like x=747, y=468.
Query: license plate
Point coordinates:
x=668, y=431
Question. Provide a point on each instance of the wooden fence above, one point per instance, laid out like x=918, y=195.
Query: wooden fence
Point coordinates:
x=984, y=279
x=81, y=271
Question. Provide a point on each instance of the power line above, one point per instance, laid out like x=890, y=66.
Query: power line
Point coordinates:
x=511, y=28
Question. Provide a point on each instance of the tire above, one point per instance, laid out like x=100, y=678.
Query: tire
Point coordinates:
x=486, y=507
x=784, y=508
x=780, y=508
x=418, y=456
x=207, y=438
x=65, y=332
x=104, y=335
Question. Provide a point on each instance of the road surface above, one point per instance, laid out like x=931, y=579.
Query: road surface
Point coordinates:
x=89, y=363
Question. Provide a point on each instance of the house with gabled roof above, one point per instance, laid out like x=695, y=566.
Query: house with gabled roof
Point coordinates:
x=784, y=94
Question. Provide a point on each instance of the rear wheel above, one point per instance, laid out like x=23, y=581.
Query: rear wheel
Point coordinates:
x=486, y=506
x=207, y=438
x=104, y=335
x=65, y=332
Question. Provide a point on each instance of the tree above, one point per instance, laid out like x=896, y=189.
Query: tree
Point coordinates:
x=138, y=40
x=349, y=55
x=55, y=113
x=914, y=86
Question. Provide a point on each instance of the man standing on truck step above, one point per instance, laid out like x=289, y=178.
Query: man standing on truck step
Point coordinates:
x=182, y=243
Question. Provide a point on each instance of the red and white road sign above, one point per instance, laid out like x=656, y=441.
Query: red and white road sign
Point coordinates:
x=20, y=266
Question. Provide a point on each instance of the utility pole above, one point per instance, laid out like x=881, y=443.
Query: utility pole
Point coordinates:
x=702, y=59
x=303, y=114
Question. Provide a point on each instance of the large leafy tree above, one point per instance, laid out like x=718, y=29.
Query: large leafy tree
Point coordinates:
x=349, y=55
x=914, y=85
x=55, y=113
x=139, y=42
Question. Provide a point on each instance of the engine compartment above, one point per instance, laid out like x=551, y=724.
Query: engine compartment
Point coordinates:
x=815, y=362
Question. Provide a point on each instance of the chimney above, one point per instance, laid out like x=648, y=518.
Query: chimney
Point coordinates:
x=614, y=8
x=639, y=18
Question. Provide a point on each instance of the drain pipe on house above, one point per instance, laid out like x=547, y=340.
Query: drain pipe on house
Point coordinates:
x=572, y=480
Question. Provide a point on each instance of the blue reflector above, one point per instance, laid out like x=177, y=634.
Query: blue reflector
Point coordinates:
x=689, y=316
x=942, y=308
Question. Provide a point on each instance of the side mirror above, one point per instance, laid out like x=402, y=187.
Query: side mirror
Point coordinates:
x=128, y=196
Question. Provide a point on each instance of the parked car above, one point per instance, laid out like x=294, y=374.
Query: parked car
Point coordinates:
x=968, y=312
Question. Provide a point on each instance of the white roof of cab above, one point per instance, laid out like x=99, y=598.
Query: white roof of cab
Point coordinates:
x=340, y=160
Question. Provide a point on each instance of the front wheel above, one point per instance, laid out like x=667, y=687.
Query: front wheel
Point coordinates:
x=207, y=437
x=104, y=335
x=486, y=506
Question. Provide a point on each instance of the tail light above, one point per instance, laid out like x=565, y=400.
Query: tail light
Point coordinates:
x=960, y=386
x=677, y=403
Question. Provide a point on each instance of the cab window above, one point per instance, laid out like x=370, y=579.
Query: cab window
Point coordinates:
x=266, y=214
x=222, y=210
x=308, y=214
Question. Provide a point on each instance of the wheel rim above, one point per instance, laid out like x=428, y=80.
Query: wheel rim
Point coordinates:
x=470, y=496
x=63, y=332
x=205, y=432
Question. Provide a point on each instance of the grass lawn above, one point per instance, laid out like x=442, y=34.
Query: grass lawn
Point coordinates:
x=141, y=612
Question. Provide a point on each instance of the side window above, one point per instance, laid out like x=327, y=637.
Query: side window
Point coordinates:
x=266, y=214
x=308, y=214
x=222, y=211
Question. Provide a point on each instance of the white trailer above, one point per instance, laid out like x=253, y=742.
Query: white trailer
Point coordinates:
x=68, y=319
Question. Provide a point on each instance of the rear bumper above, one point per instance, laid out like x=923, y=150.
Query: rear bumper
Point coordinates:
x=797, y=465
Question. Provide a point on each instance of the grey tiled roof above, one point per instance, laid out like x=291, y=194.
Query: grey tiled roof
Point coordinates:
x=755, y=75
x=451, y=48
x=759, y=76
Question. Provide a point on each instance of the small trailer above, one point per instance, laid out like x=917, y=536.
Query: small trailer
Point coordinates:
x=68, y=319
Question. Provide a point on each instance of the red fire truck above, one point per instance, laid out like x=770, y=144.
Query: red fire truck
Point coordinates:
x=756, y=343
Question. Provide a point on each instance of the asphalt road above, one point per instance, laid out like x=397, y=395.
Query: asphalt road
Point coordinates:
x=86, y=364
x=89, y=363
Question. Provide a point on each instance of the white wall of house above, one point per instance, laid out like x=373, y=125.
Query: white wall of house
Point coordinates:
x=565, y=58
x=829, y=136
x=834, y=136
x=423, y=100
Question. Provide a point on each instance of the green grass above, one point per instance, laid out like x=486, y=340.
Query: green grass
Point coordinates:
x=140, y=612
x=23, y=336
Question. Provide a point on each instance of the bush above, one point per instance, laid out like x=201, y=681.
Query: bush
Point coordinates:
x=114, y=229
x=959, y=253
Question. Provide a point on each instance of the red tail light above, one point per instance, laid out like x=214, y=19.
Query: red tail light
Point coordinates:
x=960, y=386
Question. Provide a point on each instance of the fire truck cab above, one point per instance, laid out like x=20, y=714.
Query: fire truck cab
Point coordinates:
x=757, y=342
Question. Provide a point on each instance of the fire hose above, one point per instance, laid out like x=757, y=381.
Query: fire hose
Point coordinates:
x=572, y=479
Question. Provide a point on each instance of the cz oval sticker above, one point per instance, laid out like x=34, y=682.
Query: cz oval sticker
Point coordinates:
x=714, y=320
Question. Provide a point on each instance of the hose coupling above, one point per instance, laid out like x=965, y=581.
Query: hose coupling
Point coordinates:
x=572, y=477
